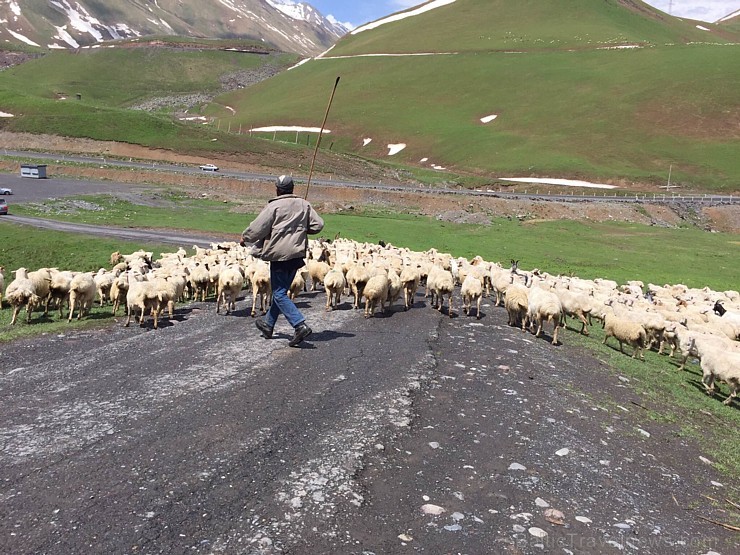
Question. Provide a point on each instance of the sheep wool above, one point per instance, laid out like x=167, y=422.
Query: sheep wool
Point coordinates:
x=625, y=331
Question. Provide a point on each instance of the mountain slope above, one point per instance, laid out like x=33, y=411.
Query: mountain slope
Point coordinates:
x=283, y=24
x=603, y=89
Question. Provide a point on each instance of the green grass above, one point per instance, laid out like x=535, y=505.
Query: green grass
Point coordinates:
x=670, y=396
x=485, y=25
x=598, y=114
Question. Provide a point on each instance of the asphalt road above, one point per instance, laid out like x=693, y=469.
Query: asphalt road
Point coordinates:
x=202, y=437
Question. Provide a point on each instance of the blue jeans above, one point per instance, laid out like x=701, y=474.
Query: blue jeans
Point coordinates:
x=281, y=277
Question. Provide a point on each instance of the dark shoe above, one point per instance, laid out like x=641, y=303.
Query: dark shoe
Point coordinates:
x=264, y=328
x=301, y=333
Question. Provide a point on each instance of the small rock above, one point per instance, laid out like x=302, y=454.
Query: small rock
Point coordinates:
x=405, y=538
x=538, y=532
x=555, y=517
x=434, y=445
x=705, y=460
x=430, y=509
x=584, y=519
x=717, y=484
x=622, y=526
x=562, y=452
x=517, y=466
x=623, y=379
x=643, y=432
x=518, y=528
x=453, y=528
x=541, y=503
x=457, y=516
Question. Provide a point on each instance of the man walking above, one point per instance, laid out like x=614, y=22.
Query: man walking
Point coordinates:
x=282, y=229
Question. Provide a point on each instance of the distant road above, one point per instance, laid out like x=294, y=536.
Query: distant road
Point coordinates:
x=252, y=176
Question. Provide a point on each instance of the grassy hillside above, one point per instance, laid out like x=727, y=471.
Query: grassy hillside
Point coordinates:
x=594, y=113
x=571, y=101
x=486, y=25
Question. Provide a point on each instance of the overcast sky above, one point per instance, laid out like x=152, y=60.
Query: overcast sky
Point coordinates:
x=358, y=12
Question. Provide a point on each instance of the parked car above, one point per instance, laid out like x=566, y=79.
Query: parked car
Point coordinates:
x=209, y=168
x=3, y=206
x=6, y=191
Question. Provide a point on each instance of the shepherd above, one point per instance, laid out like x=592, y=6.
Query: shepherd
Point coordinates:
x=280, y=233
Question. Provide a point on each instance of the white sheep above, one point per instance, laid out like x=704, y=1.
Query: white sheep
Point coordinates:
x=516, y=303
x=357, y=276
x=334, y=284
x=410, y=278
x=142, y=295
x=22, y=292
x=200, y=278
x=298, y=284
x=441, y=283
x=625, y=331
x=82, y=292
x=261, y=287
x=472, y=292
x=376, y=293
x=230, y=283
x=576, y=304
x=2, y=284
x=59, y=288
x=118, y=291
x=718, y=364
x=103, y=282
x=544, y=306
x=395, y=287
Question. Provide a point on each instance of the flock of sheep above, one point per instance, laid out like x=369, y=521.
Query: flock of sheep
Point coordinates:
x=696, y=322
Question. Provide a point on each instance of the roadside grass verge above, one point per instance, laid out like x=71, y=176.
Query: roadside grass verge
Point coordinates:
x=613, y=250
x=667, y=395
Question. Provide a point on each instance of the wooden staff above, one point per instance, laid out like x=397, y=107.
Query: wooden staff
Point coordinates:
x=318, y=141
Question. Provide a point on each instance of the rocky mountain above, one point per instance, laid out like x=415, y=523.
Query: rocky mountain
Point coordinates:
x=284, y=24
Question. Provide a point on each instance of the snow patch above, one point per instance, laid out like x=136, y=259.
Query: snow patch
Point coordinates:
x=566, y=182
x=702, y=28
x=22, y=38
x=399, y=16
x=489, y=119
x=290, y=128
x=395, y=149
x=6, y=115
x=366, y=142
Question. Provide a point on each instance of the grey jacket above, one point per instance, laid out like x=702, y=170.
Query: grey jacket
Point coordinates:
x=281, y=230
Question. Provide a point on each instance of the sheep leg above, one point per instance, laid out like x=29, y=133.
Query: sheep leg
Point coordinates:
x=734, y=385
x=708, y=380
x=449, y=307
x=16, y=310
x=477, y=308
